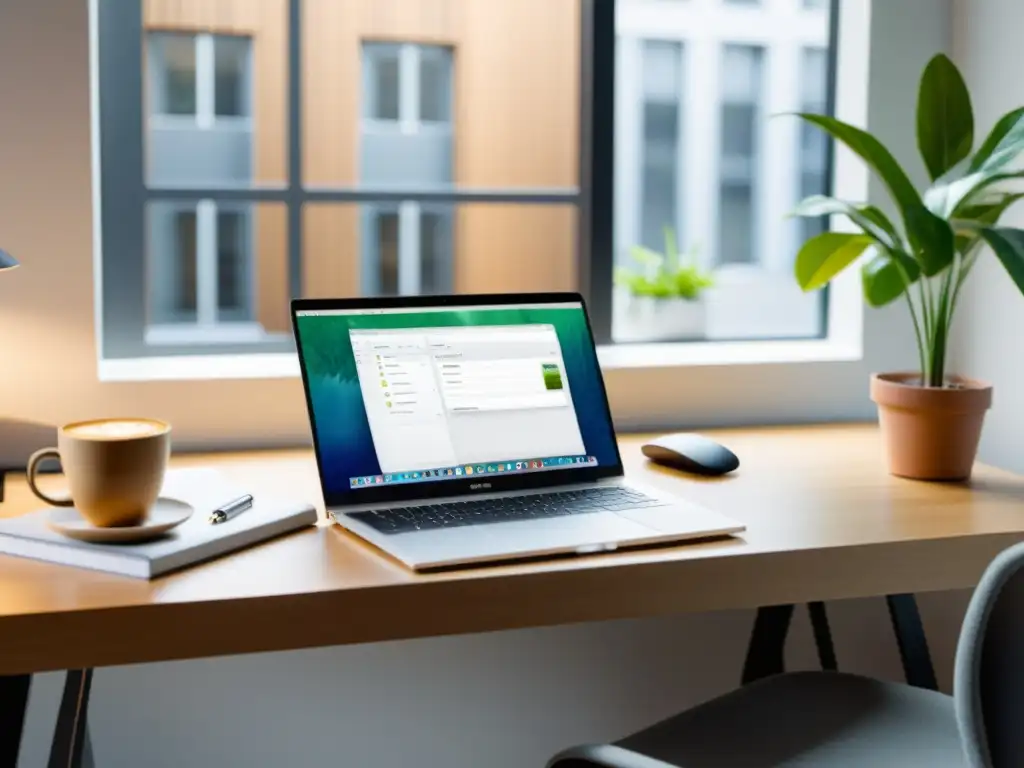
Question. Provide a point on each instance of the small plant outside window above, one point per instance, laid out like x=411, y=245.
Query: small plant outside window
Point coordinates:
x=664, y=276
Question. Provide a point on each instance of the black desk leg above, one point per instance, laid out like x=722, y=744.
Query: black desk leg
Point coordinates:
x=822, y=636
x=766, y=652
x=13, y=703
x=911, y=640
x=71, y=748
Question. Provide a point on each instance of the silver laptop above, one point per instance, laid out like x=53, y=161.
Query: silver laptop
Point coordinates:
x=467, y=429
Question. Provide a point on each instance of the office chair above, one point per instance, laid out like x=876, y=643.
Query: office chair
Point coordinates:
x=811, y=719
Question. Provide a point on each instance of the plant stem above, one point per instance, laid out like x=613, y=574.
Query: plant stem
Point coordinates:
x=913, y=316
x=966, y=264
x=940, y=338
x=926, y=306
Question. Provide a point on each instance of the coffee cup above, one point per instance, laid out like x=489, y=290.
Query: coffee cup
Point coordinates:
x=114, y=468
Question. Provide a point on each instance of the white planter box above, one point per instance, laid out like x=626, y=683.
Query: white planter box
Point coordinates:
x=643, y=318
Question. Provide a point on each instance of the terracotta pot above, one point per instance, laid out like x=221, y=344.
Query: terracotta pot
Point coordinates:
x=931, y=433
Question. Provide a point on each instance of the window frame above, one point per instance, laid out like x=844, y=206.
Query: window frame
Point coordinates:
x=123, y=192
x=123, y=354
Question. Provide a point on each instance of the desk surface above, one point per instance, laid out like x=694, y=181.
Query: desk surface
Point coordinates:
x=825, y=521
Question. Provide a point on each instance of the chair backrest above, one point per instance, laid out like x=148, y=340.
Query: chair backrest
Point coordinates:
x=988, y=682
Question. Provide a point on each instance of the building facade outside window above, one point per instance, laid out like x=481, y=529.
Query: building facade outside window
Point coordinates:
x=406, y=248
x=698, y=87
x=278, y=148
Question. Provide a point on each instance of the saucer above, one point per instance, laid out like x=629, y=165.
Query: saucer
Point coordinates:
x=164, y=515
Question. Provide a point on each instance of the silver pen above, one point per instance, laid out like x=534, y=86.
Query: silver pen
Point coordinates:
x=225, y=512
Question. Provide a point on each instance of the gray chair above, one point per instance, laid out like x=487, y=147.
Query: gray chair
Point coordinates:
x=811, y=719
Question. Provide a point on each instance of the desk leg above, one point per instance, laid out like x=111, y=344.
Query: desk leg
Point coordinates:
x=71, y=748
x=823, y=636
x=13, y=703
x=911, y=640
x=766, y=652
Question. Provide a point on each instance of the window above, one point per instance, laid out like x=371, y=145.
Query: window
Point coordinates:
x=281, y=148
x=406, y=114
x=813, y=146
x=742, y=119
x=277, y=148
x=699, y=157
x=662, y=77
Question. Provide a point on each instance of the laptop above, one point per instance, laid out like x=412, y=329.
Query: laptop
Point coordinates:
x=458, y=430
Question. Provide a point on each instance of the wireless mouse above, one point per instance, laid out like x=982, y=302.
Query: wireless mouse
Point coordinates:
x=691, y=453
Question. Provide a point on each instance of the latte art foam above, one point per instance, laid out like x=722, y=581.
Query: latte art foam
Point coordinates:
x=116, y=429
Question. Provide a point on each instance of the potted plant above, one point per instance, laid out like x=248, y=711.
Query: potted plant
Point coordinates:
x=931, y=420
x=660, y=298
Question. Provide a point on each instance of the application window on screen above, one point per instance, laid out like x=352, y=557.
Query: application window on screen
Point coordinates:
x=446, y=397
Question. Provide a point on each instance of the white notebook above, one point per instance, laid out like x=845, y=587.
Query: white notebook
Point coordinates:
x=191, y=542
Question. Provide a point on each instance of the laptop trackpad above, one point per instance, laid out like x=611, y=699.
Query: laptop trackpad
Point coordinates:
x=682, y=519
x=520, y=538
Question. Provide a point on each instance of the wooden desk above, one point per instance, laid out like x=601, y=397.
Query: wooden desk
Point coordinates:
x=825, y=521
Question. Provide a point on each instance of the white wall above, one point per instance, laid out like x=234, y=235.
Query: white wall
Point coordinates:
x=504, y=700
x=987, y=342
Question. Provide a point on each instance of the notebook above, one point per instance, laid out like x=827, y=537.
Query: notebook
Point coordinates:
x=191, y=542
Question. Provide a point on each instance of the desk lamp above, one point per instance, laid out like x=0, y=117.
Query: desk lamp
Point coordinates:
x=6, y=262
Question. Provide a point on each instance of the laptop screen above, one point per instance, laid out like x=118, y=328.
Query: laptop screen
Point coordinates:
x=412, y=401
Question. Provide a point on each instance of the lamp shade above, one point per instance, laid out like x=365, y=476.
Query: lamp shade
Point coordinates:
x=6, y=260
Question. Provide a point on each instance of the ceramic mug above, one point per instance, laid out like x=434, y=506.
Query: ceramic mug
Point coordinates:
x=114, y=468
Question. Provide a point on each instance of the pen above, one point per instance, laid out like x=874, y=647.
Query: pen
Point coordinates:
x=225, y=512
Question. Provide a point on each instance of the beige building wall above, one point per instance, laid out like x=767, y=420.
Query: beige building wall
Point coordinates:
x=516, y=124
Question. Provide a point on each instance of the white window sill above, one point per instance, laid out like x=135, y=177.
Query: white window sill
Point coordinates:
x=622, y=356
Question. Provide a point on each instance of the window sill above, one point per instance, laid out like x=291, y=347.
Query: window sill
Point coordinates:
x=612, y=357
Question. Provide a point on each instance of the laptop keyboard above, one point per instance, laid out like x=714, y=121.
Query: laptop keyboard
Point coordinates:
x=505, y=509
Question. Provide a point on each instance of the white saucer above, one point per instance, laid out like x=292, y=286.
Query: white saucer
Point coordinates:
x=165, y=515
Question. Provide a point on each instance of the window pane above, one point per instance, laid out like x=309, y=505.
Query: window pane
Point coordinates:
x=379, y=98
x=742, y=122
x=385, y=254
x=216, y=272
x=231, y=86
x=435, y=252
x=813, y=142
x=695, y=150
x=382, y=81
x=662, y=79
x=414, y=248
x=435, y=84
x=172, y=252
x=172, y=66
x=215, y=76
x=234, y=257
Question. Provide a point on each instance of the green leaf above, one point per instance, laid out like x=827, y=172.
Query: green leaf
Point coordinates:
x=1004, y=143
x=874, y=153
x=867, y=217
x=937, y=254
x=879, y=219
x=882, y=280
x=985, y=213
x=986, y=186
x=826, y=255
x=942, y=198
x=1008, y=246
x=945, y=121
x=926, y=232
x=946, y=199
x=972, y=216
x=645, y=256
